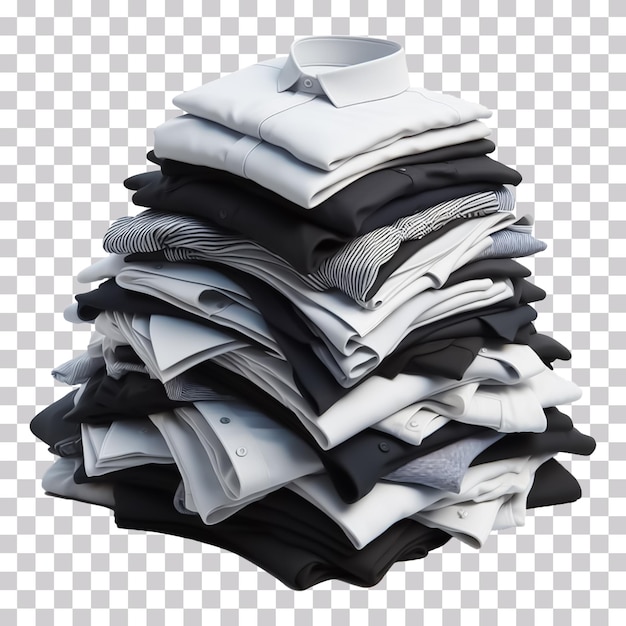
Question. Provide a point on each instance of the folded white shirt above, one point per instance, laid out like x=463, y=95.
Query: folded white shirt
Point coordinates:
x=388, y=503
x=210, y=501
x=201, y=291
x=249, y=452
x=265, y=102
x=472, y=522
x=122, y=444
x=508, y=409
x=414, y=422
x=200, y=142
x=179, y=344
x=505, y=408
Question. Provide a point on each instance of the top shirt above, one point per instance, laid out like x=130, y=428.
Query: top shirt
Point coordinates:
x=331, y=99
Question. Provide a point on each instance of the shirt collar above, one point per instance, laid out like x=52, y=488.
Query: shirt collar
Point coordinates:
x=347, y=70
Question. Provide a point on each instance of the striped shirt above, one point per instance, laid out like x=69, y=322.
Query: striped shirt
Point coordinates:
x=353, y=269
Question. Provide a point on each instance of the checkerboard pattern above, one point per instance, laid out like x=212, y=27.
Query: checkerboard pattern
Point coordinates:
x=82, y=85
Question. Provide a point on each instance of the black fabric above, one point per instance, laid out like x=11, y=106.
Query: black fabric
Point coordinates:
x=284, y=535
x=63, y=438
x=548, y=348
x=303, y=244
x=356, y=465
x=552, y=485
x=106, y=399
x=488, y=268
x=348, y=209
x=449, y=358
x=152, y=475
x=559, y=436
x=495, y=321
x=290, y=538
x=127, y=355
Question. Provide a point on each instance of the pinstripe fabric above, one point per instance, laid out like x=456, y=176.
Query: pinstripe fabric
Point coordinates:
x=508, y=243
x=184, y=388
x=357, y=263
x=78, y=370
x=353, y=269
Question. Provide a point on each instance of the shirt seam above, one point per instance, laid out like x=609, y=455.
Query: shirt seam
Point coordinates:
x=289, y=108
x=439, y=102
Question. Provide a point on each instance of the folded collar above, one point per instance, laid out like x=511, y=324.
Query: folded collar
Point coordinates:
x=348, y=70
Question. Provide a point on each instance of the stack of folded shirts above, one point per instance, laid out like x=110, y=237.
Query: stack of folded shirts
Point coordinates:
x=313, y=347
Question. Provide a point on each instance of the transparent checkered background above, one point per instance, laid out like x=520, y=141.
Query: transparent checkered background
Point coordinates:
x=82, y=85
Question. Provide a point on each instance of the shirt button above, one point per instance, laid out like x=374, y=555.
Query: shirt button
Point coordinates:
x=241, y=451
x=483, y=350
x=414, y=424
x=158, y=266
x=308, y=83
x=462, y=513
x=225, y=420
x=383, y=446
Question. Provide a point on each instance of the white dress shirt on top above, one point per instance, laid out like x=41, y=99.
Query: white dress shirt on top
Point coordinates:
x=331, y=99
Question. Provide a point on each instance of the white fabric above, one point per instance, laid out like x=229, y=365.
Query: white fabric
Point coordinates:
x=249, y=452
x=413, y=423
x=201, y=291
x=388, y=503
x=254, y=101
x=203, y=492
x=347, y=70
x=469, y=521
x=507, y=409
x=178, y=344
x=59, y=481
x=472, y=522
x=122, y=444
